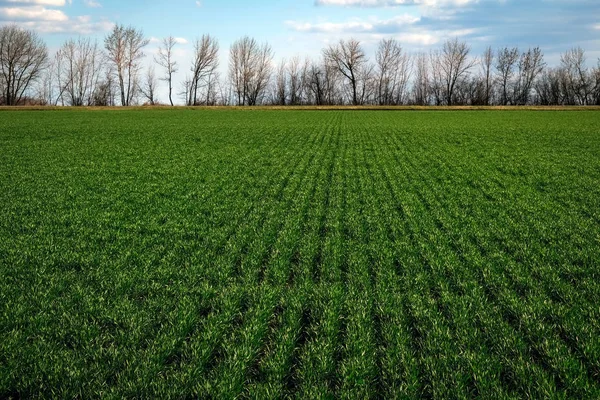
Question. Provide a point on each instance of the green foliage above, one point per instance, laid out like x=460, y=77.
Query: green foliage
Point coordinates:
x=309, y=254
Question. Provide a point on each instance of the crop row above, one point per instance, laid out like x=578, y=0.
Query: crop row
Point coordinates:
x=300, y=254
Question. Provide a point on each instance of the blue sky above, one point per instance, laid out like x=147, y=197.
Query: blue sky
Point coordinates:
x=306, y=26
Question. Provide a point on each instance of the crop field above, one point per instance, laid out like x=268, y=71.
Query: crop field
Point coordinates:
x=299, y=254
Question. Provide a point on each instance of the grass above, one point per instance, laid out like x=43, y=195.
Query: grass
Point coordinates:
x=308, y=254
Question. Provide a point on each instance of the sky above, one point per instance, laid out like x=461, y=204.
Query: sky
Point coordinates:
x=305, y=27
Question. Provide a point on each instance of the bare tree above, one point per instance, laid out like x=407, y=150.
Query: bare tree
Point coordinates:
x=348, y=57
x=2, y=91
x=106, y=90
x=78, y=67
x=125, y=51
x=596, y=84
x=249, y=70
x=297, y=75
x=393, y=72
x=56, y=68
x=186, y=90
x=531, y=64
x=453, y=64
x=487, y=61
x=322, y=83
x=421, y=87
x=505, y=65
x=467, y=91
x=148, y=88
x=367, y=84
x=204, y=66
x=579, y=81
x=239, y=68
x=212, y=89
x=223, y=94
x=166, y=61
x=23, y=57
x=281, y=86
x=46, y=87
x=333, y=80
x=548, y=87
x=316, y=84
x=305, y=78
x=436, y=82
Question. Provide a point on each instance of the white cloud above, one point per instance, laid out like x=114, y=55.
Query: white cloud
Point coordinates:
x=178, y=40
x=78, y=26
x=353, y=26
x=198, y=4
x=43, y=16
x=392, y=3
x=421, y=39
x=406, y=28
x=32, y=13
x=92, y=3
x=54, y=3
x=356, y=26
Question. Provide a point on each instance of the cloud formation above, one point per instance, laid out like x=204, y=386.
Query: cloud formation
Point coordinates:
x=392, y=3
x=81, y=25
x=178, y=40
x=53, y=3
x=405, y=28
x=394, y=24
x=49, y=16
x=35, y=13
x=554, y=25
x=92, y=3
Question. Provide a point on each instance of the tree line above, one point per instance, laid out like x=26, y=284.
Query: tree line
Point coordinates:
x=86, y=73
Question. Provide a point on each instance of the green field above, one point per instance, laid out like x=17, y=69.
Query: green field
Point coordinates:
x=305, y=254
